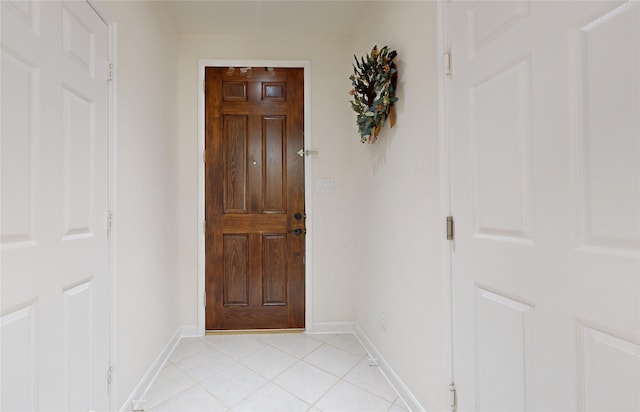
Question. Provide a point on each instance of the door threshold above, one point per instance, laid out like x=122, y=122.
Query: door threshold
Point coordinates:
x=253, y=331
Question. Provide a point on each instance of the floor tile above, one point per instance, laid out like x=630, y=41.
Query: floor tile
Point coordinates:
x=269, y=362
x=322, y=337
x=345, y=397
x=371, y=379
x=399, y=406
x=194, y=399
x=271, y=372
x=233, y=384
x=349, y=343
x=306, y=381
x=235, y=346
x=187, y=347
x=169, y=382
x=204, y=364
x=333, y=360
x=271, y=398
x=295, y=344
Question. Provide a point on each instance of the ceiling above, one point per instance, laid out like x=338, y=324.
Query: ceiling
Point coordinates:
x=266, y=16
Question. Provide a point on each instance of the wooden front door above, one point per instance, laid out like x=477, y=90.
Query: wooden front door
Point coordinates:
x=255, y=230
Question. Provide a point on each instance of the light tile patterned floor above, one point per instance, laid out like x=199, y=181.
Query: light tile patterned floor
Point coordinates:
x=283, y=372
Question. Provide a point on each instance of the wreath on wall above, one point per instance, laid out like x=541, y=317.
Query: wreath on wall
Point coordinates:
x=374, y=81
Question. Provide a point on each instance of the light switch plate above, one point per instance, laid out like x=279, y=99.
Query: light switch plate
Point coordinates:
x=325, y=185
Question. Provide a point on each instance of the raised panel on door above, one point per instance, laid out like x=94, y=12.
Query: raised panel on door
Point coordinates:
x=503, y=330
x=235, y=130
x=274, y=270
x=545, y=145
x=254, y=129
x=275, y=166
x=606, y=361
x=21, y=94
x=54, y=142
x=78, y=141
x=500, y=134
x=236, y=268
x=605, y=127
x=19, y=345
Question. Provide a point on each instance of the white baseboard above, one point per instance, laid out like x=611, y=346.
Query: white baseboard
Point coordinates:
x=145, y=383
x=331, y=327
x=405, y=394
x=190, y=331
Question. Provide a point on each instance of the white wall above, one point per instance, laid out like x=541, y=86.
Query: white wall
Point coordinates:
x=146, y=216
x=376, y=239
x=398, y=256
x=332, y=223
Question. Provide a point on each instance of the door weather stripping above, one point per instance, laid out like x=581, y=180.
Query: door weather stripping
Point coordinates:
x=303, y=153
x=453, y=404
x=449, y=227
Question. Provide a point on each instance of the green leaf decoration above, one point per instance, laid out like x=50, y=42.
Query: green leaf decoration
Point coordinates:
x=374, y=82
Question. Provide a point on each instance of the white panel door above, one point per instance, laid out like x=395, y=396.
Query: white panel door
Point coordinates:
x=54, y=150
x=545, y=172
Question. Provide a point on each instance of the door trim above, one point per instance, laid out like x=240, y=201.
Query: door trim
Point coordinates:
x=448, y=246
x=112, y=188
x=306, y=66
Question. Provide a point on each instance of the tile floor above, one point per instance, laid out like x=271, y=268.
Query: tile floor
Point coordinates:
x=284, y=372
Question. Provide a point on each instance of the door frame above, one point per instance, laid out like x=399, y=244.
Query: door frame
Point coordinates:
x=306, y=66
x=112, y=191
x=448, y=246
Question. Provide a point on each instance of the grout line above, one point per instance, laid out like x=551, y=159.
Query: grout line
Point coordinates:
x=272, y=380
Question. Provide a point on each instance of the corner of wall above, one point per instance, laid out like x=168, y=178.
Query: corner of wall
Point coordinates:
x=403, y=391
x=133, y=400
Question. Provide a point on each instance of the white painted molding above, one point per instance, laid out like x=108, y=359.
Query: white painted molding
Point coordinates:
x=392, y=377
x=308, y=173
x=149, y=377
x=444, y=113
x=190, y=331
x=331, y=327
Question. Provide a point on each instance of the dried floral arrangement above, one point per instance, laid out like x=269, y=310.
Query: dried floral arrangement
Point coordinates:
x=374, y=82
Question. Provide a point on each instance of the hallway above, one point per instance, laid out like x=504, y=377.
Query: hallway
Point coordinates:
x=271, y=372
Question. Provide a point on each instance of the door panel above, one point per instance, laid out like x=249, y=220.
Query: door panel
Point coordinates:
x=55, y=285
x=254, y=191
x=545, y=144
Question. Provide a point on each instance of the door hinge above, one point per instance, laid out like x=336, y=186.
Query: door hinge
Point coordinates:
x=109, y=224
x=453, y=397
x=109, y=376
x=110, y=70
x=204, y=85
x=204, y=155
x=204, y=227
x=449, y=227
x=446, y=61
x=204, y=299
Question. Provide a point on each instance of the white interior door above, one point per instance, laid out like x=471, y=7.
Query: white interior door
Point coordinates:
x=54, y=142
x=545, y=169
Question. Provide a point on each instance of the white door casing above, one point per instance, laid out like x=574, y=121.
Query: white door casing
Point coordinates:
x=55, y=315
x=545, y=172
